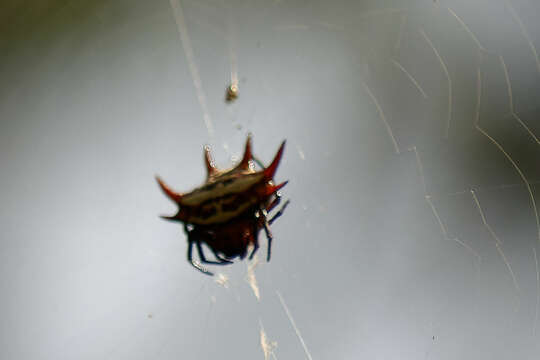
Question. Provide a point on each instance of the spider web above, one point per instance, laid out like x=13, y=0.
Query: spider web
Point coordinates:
x=412, y=153
x=454, y=136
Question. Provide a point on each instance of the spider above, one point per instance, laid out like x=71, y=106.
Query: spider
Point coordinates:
x=228, y=211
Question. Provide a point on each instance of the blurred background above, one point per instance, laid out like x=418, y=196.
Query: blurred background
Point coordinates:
x=412, y=152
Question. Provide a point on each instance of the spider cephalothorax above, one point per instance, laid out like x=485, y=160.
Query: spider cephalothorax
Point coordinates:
x=229, y=209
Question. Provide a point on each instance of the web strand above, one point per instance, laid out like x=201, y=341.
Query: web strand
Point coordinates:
x=449, y=81
x=193, y=69
x=288, y=313
x=383, y=118
x=483, y=132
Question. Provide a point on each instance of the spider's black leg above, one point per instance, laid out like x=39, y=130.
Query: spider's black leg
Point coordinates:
x=266, y=226
x=279, y=213
x=255, y=228
x=204, y=260
x=201, y=253
x=223, y=261
x=194, y=263
x=255, y=248
x=269, y=238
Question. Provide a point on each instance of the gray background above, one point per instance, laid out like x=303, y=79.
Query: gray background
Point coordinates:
x=97, y=97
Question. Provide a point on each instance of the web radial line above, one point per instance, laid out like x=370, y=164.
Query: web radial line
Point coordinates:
x=444, y=231
x=511, y=101
x=507, y=263
x=294, y=325
x=483, y=132
x=508, y=85
x=514, y=115
x=524, y=33
x=436, y=213
x=469, y=248
x=383, y=118
x=471, y=34
x=445, y=69
x=420, y=169
x=533, y=202
x=193, y=69
x=434, y=209
x=498, y=242
x=484, y=221
x=231, y=39
x=398, y=65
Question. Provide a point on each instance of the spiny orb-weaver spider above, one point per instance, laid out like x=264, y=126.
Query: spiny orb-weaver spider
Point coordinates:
x=229, y=209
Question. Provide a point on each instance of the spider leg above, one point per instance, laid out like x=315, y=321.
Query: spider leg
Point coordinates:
x=204, y=260
x=255, y=248
x=194, y=263
x=255, y=229
x=279, y=213
x=223, y=261
x=269, y=238
x=266, y=223
x=266, y=226
x=190, y=234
